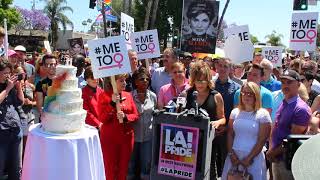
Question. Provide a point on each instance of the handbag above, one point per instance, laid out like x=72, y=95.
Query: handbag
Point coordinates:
x=236, y=174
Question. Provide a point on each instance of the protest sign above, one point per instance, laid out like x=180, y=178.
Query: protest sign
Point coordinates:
x=241, y=31
x=178, y=151
x=303, y=35
x=109, y=56
x=127, y=27
x=146, y=44
x=47, y=46
x=273, y=54
x=237, y=49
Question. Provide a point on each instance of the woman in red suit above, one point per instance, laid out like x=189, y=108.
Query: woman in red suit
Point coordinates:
x=90, y=94
x=117, y=139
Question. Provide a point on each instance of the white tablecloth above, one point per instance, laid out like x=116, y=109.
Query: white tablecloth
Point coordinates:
x=75, y=156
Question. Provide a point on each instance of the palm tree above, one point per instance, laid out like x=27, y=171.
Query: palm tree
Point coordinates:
x=55, y=10
x=222, y=16
x=274, y=38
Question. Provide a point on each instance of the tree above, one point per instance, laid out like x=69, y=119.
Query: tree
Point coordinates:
x=254, y=39
x=32, y=20
x=10, y=13
x=55, y=10
x=274, y=38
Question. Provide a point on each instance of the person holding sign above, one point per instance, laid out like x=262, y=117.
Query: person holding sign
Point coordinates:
x=117, y=139
x=248, y=130
x=209, y=100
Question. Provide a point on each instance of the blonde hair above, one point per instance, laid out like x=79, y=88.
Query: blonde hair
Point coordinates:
x=303, y=93
x=178, y=65
x=256, y=90
x=198, y=70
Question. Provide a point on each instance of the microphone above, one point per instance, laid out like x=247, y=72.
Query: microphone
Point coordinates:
x=181, y=102
x=195, y=97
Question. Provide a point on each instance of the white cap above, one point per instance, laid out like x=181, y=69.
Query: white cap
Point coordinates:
x=20, y=48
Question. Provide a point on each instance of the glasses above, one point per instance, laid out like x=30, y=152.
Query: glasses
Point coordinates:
x=52, y=65
x=201, y=81
x=249, y=94
x=144, y=79
x=178, y=72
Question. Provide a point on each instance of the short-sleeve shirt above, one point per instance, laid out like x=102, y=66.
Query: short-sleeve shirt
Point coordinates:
x=42, y=86
x=265, y=94
x=246, y=127
x=159, y=78
x=169, y=92
x=272, y=85
x=291, y=111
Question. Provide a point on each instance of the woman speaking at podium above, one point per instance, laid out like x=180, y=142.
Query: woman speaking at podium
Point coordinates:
x=208, y=99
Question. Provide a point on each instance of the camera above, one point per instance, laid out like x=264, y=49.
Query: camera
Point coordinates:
x=20, y=77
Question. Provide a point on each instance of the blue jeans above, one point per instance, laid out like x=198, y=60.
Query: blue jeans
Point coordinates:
x=141, y=155
x=11, y=153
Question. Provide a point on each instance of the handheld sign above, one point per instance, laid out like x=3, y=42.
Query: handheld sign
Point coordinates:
x=273, y=54
x=109, y=56
x=178, y=151
x=146, y=44
x=303, y=35
x=238, y=51
x=127, y=27
x=241, y=31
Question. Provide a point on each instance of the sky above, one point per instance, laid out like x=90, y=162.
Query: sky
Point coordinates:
x=262, y=16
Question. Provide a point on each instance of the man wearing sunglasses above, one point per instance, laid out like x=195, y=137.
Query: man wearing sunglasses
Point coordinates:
x=49, y=63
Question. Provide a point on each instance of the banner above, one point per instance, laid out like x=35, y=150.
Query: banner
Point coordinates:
x=47, y=46
x=273, y=54
x=303, y=36
x=199, y=26
x=178, y=151
x=127, y=27
x=238, y=46
x=76, y=47
x=109, y=56
x=146, y=44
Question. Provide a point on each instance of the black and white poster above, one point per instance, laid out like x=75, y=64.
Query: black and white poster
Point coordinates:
x=76, y=47
x=199, y=26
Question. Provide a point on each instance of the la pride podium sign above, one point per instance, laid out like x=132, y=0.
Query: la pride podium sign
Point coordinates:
x=178, y=151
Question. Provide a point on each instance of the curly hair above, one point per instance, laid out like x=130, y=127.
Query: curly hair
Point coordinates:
x=199, y=70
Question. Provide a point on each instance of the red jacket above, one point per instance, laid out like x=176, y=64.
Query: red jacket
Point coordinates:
x=107, y=113
x=90, y=104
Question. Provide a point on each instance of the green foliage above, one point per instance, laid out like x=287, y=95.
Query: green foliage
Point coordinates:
x=12, y=15
x=274, y=39
x=254, y=39
x=55, y=10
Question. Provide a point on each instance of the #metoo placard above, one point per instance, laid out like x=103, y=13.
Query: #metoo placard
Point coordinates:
x=109, y=56
x=303, y=36
x=127, y=28
x=273, y=54
x=146, y=44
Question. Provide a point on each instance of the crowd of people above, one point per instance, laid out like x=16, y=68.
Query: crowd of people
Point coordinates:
x=253, y=107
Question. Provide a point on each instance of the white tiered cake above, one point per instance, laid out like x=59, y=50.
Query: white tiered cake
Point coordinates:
x=65, y=113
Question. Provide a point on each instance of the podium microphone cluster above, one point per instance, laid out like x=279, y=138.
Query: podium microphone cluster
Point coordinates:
x=195, y=97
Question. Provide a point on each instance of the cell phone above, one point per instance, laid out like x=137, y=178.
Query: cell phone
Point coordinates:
x=20, y=77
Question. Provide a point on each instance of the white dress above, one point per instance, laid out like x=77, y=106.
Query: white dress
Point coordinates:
x=246, y=129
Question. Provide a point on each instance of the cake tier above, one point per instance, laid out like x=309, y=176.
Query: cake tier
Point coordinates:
x=69, y=95
x=69, y=84
x=59, y=107
x=63, y=123
x=71, y=71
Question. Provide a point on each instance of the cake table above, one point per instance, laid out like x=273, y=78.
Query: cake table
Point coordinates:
x=73, y=156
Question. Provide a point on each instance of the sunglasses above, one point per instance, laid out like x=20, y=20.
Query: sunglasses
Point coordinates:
x=143, y=79
x=249, y=94
x=52, y=65
x=178, y=72
x=201, y=81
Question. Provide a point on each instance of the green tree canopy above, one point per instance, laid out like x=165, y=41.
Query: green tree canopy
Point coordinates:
x=254, y=39
x=274, y=38
x=11, y=14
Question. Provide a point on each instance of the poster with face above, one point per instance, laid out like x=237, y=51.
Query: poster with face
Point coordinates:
x=76, y=47
x=199, y=26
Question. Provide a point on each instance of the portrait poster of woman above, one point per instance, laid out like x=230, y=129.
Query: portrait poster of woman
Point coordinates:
x=200, y=20
x=76, y=47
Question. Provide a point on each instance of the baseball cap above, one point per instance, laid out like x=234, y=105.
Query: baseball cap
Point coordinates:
x=20, y=48
x=11, y=52
x=187, y=54
x=291, y=75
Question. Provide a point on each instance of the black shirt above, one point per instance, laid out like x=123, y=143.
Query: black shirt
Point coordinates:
x=312, y=95
x=43, y=85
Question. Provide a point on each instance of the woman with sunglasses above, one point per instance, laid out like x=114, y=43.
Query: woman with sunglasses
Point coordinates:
x=209, y=100
x=178, y=84
x=248, y=130
x=146, y=102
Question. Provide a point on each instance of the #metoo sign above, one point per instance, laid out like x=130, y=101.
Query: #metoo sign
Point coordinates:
x=109, y=56
x=273, y=54
x=127, y=28
x=178, y=151
x=146, y=44
x=303, y=36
